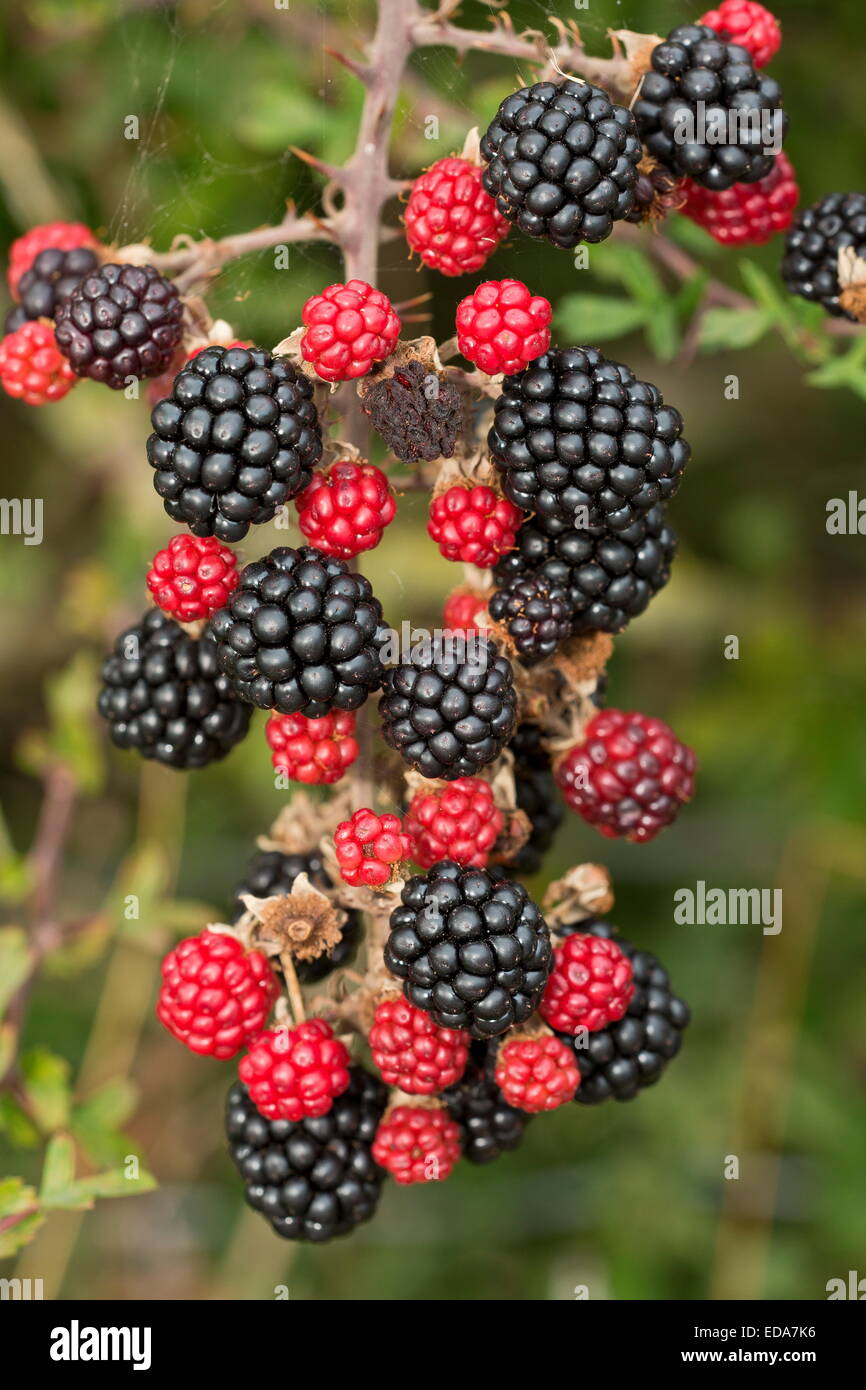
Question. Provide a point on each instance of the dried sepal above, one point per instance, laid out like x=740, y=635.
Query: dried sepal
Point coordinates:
x=585, y=891
x=304, y=924
x=851, y=274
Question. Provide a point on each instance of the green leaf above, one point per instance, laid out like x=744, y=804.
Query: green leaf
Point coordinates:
x=46, y=1081
x=631, y=268
x=71, y=697
x=96, y=1122
x=593, y=318
x=689, y=295
x=16, y=961
x=662, y=331
x=16, y=1125
x=20, y=1217
x=80, y=1195
x=732, y=328
x=58, y=1168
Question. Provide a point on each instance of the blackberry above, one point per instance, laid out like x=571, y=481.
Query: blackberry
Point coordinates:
x=449, y=715
x=472, y=949
x=609, y=577
x=416, y=412
x=163, y=695
x=582, y=443
x=812, y=246
x=489, y=1126
x=618, y=1061
x=313, y=1179
x=699, y=88
x=535, y=612
x=238, y=436
x=537, y=796
x=301, y=634
x=562, y=161
x=271, y=873
x=51, y=278
x=120, y=322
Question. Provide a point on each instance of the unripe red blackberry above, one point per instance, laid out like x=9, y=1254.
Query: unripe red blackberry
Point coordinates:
x=32, y=369
x=451, y=221
x=295, y=1073
x=417, y=1143
x=369, y=848
x=215, y=996
x=536, y=1074
x=412, y=1053
x=461, y=611
x=629, y=776
x=502, y=326
x=120, y=323
x=748, y=24
x=747, y=214
x=562, y=161
x=345, y=509
x=192, y=577
x=314, y=751
x=459, y=821
x=589, y=987
x=473, y=524
x=349, y=327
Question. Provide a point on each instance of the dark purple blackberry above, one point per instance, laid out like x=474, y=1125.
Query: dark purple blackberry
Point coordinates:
x=120, y=323
x=535, y=612
x=51, y=278
x=562, y=161
x=164, y=696
x=418, y=413
x=701, y=88
x=813, y=243
x=473, y=950
x=582, y=443
x=301, y=634
x=271, y=873
x=238, y=436
x=313, y=1179
x=489, y=1126
x=449, y=715
x=620, y=1060
x=537, y=796
x=608, y=577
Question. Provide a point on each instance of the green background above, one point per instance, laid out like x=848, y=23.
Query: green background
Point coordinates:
x=628, y=1200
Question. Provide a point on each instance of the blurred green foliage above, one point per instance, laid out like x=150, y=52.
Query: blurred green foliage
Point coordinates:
x=631, y=1200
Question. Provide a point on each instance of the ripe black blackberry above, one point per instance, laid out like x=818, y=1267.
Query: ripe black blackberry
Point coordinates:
x=562, y=161
x=120, y=322
x=271, y=873
x=620, y=1060
x=472, y=949
x=699, y=88
x=51, y=278
x=812, y=246
x=418, y=413
x=449, y=715
x=609, y=577
x=537, y=795
x=238, y=436
x=535, y=612
x=301, y=634
x=489, y=1126
x=163, y=695
x=313, y=1179
x=582, y=443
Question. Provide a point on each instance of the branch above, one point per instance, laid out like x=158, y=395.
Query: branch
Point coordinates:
x=198, y=260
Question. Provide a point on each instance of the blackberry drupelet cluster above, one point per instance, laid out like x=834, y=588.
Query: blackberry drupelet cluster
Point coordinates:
x=315, y=1178
x=609, y=577
x=163, y=694
x=120, y=323
x=272, y=873
x=535, y=612
x=581, y=442
x=238, y=436
x=812, y=246
x=562, y=161
x=620, y=1060
x=418, y=413
x=537, y=796
x=449, y=715
x=699, y=84
x=489, y=1126
x=472, y=949
x=49, y=281
x=301, y=634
